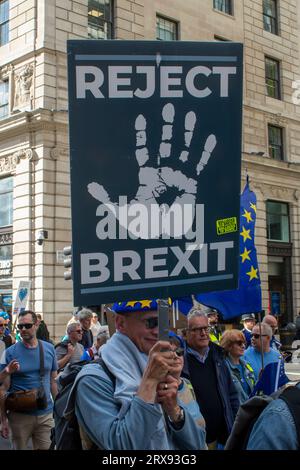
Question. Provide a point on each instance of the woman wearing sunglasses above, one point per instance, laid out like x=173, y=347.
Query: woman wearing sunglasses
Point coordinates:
x=233, y=342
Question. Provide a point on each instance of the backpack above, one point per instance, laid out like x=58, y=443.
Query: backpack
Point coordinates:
x=67, y=434
x=250, y=410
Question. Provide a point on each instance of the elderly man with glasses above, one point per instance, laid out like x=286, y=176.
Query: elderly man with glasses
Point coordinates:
x=205, y=366
x=70, y=350
x=135, y=399
x=35, y=366
x=260, y=351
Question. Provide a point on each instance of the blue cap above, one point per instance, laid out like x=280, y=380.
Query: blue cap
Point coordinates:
x=177, y=338
x=4, y=315
x=135, y=306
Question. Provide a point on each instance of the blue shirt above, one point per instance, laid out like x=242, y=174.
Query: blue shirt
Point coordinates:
x=254, y=358
x=28, y=376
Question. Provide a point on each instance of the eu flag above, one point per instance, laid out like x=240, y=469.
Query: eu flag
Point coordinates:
x=272, y=377
x=247, y=298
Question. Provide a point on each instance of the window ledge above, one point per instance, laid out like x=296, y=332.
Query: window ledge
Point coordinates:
x=227, y=15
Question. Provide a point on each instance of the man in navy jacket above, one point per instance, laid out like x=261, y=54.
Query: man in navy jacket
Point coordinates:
x=205, y=366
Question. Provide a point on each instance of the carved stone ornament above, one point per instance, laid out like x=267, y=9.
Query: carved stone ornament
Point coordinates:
x=23, y=91
x=296, y=194
x=9, y=163
x=278, y=193
x=6, y=238
x=57, y=152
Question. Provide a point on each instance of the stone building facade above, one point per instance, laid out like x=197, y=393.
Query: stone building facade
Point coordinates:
x=34, y=157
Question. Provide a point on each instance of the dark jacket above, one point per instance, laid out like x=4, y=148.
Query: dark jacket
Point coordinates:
x=87, y=339
x=248, y=337
x=226, y=388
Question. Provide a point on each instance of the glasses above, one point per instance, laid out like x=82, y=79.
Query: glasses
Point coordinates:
x=78, y=331
x=199, y=329
x=256, y=336
x=239, y=343
x=27, y=326
x=151, y=323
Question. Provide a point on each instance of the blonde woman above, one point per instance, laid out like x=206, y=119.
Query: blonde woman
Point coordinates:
x=233, y=342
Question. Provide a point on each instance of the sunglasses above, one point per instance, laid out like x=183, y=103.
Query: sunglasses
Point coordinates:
x=199, y=329
x=256, y=336
x=239, y=343
x=151, y=323
x=27, y=326
x=78, y=331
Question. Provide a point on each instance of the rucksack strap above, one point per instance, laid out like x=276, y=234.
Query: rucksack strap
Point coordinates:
x=291, y=396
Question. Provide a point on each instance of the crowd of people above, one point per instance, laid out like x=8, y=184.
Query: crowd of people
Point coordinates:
x=183, y=394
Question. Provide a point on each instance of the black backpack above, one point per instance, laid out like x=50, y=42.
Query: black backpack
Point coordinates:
x=250, y=410
x=66, y=433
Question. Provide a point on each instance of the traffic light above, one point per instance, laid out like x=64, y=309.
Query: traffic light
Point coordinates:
x=68, y=262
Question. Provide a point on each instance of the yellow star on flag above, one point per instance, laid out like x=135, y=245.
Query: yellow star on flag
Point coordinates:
x=253, y=206
x=252, y=273
x=247, y=215
x=245, y=255
x=245, y=234
x=131, y=303
x=145, y=303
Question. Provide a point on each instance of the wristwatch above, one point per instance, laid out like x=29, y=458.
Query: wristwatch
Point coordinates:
x=179, y=418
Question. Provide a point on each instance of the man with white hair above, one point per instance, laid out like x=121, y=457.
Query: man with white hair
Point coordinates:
x=85, y=316
x=135, y=399
x=260, y=348
x=70, y=350
x=205, y=367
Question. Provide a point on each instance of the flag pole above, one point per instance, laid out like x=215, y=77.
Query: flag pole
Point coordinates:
x=260, y=339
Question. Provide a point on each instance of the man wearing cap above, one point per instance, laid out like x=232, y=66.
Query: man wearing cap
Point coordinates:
x=248, y=321
x=137, y=400
x=215, y=332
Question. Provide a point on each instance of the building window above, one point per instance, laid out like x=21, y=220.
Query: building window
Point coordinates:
x=3, y=99
x=278, y=221
x=224, y=5
x=270, y=16
x=100, y=19
x=272, y=67
x=4, y=18
x=166, y=30
x=275, y=140
x=6, y=201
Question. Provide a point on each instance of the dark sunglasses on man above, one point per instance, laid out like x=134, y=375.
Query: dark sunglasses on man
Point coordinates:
x=27, y=326
x=256, y=335
x=151, y=323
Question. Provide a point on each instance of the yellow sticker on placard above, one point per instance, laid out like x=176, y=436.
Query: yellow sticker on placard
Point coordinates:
x=226, y=225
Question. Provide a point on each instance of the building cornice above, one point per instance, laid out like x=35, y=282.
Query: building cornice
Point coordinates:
x=274, y=113
x=32, y=121
x=266, y=165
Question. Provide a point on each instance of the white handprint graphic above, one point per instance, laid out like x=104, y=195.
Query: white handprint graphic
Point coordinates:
x=155, y=182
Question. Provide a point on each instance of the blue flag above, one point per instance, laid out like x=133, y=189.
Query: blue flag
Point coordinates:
x=272, y=378
x=247, y=298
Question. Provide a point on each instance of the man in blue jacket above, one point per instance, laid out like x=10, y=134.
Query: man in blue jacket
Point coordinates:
x=204, y=365
x=142, y=403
